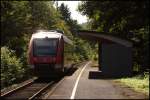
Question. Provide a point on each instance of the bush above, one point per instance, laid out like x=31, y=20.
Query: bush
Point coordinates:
x=11, y=68
x=139, y=82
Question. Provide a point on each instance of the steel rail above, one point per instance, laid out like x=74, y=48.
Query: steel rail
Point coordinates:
x=18, y=88
x=41, y=90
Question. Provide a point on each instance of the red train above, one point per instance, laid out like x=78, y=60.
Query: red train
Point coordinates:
x=46, y=53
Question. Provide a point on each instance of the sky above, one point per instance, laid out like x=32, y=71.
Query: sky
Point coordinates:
x=72, y=5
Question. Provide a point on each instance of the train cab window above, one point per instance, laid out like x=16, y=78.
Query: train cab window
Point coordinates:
x=45, y=47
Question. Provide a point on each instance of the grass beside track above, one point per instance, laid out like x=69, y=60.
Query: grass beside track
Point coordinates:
x=139, y=83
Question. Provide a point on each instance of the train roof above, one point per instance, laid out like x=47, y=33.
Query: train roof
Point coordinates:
x=51, y=34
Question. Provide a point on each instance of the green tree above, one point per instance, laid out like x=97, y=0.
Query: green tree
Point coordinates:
x=118, y=16
x=11, y=67
x=66, y=16
x=126, y=19
x=64, y=10
x=19, y=19
x=82, y=48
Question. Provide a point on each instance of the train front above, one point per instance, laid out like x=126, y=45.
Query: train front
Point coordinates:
x=45, y=54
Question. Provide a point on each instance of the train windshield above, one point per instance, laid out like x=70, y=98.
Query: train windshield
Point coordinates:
x=45, y=47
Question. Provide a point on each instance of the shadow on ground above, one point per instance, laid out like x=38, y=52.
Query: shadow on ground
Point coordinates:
x=100, y=75
x=70, y=71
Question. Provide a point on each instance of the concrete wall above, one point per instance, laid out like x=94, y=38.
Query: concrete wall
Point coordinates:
x=116, y=60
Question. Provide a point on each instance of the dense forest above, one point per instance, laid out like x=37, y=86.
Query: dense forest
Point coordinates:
x=20, y=19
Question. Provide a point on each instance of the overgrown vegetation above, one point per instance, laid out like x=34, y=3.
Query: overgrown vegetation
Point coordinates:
x=11, y=68
x=128, y=20
x=19, y=20
x=125, y=19
x=139, y=82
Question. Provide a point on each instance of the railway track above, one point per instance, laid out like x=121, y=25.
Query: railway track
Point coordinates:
x=34, y=89
x=29, y=91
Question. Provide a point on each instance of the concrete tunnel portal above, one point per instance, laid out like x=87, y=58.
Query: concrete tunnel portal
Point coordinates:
x=115, y=53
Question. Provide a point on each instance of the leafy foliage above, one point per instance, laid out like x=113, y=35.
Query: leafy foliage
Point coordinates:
x=19, y=20
x=126, y=19
x=118, y=16
x=139, y=83
x=11, y=67
x=64, y=11
x=82, y=52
